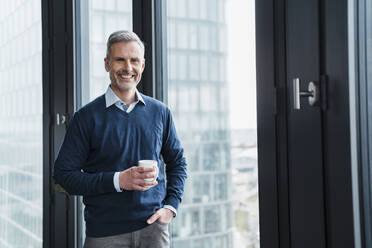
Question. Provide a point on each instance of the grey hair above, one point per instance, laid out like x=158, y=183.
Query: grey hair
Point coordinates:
x=123, y=35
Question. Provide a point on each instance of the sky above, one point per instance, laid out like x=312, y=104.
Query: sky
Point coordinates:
x=241, y=63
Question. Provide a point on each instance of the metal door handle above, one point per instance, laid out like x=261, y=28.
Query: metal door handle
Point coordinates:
x=61, y=119
x=312, y=93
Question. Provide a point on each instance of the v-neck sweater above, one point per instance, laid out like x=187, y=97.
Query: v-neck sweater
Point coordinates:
x=101, y=141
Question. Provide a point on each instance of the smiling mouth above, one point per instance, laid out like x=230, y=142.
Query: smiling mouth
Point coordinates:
x=126, y=77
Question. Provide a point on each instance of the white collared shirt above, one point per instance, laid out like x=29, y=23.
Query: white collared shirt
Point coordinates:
x=111, y=98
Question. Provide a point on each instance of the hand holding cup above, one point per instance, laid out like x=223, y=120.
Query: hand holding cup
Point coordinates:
x=141, y=177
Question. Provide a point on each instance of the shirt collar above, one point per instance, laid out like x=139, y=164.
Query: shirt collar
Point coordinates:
x=139, y=97
x=111, y=98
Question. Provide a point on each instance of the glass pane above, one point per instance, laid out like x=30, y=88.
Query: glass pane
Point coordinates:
x=211, y=92
x=21, y=164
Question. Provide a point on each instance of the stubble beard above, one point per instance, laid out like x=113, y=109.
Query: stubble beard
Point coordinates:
x=122, y=88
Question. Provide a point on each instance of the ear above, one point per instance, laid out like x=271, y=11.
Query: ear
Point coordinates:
x=143, y=64
x=107, y=64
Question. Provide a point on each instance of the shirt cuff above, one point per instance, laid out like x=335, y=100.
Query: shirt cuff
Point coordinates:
x=116, y=182
x=172, y=209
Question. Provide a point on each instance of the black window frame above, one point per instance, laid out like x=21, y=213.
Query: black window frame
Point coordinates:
x=272, y=124
x=149, y=22
x=57, y=38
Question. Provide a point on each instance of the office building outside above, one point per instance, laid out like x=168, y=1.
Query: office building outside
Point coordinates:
x=198, y=98
x=21, y=144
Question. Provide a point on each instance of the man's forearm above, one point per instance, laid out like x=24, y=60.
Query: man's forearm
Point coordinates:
x=176, y=177
x=81, y=183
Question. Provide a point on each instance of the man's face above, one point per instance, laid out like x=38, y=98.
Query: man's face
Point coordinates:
x=125, y=65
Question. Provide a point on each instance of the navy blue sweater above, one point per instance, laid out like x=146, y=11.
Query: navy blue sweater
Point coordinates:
x=101, y=141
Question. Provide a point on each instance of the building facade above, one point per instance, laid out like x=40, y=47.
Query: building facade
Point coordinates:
x=198, y=98
x=21, y=154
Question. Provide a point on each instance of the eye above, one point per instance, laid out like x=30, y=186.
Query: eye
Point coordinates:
x=135, y=60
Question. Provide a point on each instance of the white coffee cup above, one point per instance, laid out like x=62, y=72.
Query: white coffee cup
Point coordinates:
x=150, y=164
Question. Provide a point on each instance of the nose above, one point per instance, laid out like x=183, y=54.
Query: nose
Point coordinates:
x=127, y=66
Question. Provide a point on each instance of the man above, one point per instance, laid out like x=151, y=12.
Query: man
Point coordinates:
x=103, y=144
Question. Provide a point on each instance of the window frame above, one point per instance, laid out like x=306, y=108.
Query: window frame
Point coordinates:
x=151, y=28
x=271, y=124
x=59, y=222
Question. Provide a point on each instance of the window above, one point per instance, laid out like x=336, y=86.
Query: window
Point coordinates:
x=211, y=92
x=21, y=143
